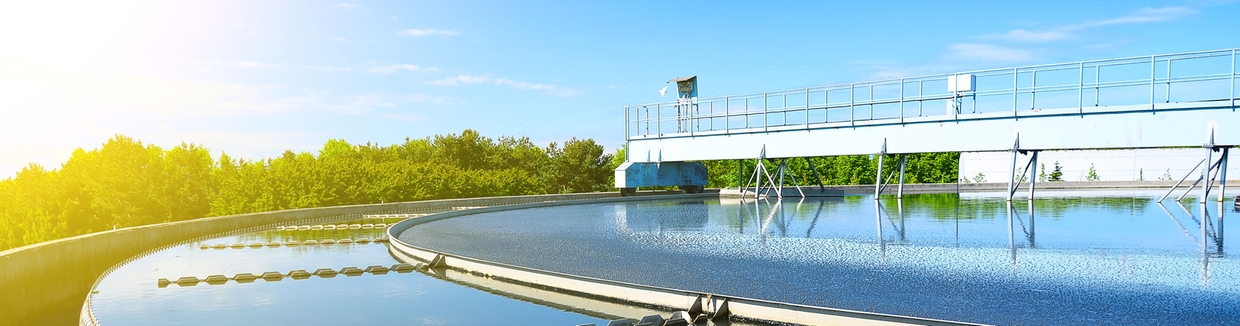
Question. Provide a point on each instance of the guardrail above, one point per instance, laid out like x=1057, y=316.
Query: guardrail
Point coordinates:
x=1128, y=82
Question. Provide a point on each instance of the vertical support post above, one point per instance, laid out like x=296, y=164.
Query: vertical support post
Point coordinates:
x=740, y=173
x=1033, y=182
x=921, y=86
x=745, y=113
x=1012, y=176
x=727, y=115
x=783, y=165
x=1097, y=83
x=901, y=100
x=871, y=101
x=878, y=178
x=900, y=188
x=658, y=120
x=1205, y=174
x=1233, y=79
x=1222, y=178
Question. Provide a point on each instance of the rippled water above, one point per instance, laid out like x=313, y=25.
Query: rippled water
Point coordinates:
x=132, y=296
x=1098, y=257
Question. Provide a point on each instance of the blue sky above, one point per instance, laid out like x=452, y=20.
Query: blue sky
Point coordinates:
x=255, y=78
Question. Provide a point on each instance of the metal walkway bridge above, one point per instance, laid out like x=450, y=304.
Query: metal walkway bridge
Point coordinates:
x=1156, y=101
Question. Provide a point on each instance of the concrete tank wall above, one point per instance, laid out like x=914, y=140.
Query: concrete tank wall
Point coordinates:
x=46, y=283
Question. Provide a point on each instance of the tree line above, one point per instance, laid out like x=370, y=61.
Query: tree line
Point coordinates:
x=127, y=183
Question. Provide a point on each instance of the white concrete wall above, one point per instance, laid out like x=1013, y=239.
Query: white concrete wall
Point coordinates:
x=1110, y=165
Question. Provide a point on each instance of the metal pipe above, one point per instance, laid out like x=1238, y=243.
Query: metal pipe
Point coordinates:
x=1205, y=175
x=766, y=123
x=1080, y=91
x=878, y=177
x=1177, y=184
x=658, y=121
x=1015, y=96
x=1097, y=81
x=1033, y=92
x=871, y=101
x=901, y=100
x=727, y=115
x=626, y=123
x=1168, y=99
x=1012, y=177
x=1033, y=182
x=900, y=188
x=1152, y=82
x=1233, y=79
x=852, y=102
x=1222, y=178
x=807, y=108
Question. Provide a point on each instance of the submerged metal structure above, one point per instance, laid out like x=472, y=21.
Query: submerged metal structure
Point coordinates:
x=1157, y=101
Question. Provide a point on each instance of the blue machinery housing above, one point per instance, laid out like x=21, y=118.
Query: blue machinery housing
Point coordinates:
x=1157, y=101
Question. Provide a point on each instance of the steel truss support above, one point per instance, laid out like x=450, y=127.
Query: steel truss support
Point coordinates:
x=1213, y=171
x=758, y=172
x=1031, y=170
x=783, y=168
x=881, y=184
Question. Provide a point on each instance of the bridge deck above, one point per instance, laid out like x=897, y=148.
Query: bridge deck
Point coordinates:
x=1139, y=102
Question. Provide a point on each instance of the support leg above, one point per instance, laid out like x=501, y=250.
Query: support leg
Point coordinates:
x=1205, y=176
x=900, y=188
x=1012, y=177
x=783, y=167
x=816, y=177
x=1033, y=180
x=1222, y=176
x=878, y=178
x=740, y=173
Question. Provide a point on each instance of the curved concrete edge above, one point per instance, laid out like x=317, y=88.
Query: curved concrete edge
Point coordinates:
x=45, y=283
x=629, y=293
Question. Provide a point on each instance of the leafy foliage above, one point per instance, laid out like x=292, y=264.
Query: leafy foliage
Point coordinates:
x=128, y=183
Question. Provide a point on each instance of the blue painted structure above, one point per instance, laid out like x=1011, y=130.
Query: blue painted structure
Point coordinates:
x=1169, y=100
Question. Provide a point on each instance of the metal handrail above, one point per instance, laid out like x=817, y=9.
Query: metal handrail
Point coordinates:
x=820, y=104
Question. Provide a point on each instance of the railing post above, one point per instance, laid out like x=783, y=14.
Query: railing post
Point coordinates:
x=852, y=103
x=626, y=123
x=807, y=109
x=871, y=101
x=1152, y=58
x=658, y=120
x=727, y=115
x=921, y=86
x=1033, y=92
x=901, y=100
x=1168, y=99
x=766, y=123
x=1233, y=79
x=1015, y=93
x=1080, y=90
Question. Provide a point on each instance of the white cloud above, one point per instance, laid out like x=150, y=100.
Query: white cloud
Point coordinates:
x=406, y=117
x=987, y=52
x=428, y=32
x=470, y=79
x=1145, y=15
x=396, y=68
x=251, y=64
